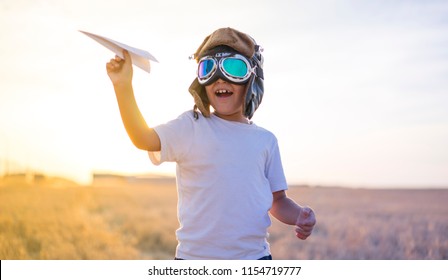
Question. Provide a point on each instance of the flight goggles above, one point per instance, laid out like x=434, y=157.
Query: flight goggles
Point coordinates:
x=234, y=68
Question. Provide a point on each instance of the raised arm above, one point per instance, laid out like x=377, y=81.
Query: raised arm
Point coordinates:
x=289, y=212
x=120, y=73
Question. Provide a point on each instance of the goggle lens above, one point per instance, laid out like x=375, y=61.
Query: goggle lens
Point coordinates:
x=235, y=67
x=206, y=67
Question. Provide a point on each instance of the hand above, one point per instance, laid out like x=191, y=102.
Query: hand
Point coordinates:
x=120, y=70
x=305, y=223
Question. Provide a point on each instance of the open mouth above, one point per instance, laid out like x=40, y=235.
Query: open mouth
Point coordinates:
x=223, y=93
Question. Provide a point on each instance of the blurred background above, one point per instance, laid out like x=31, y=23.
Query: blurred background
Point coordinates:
x=355, y=91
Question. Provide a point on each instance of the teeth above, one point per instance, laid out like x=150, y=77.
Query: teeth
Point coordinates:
x=221, y=91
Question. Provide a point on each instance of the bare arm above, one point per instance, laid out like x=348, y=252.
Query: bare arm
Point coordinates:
x=120, y=73
x=289, y=212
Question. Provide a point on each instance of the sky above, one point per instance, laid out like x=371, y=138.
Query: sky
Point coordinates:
x=355, y=91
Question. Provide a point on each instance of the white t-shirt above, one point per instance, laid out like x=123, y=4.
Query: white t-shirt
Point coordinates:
x=226, y=174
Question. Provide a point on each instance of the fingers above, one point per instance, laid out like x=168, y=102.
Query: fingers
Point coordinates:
x=302, y=233
x=119, y=69
x=308, y=223
x=308, y=227
x=306, y=217
x=305, y=212
x=305, y=223
x=114, y=64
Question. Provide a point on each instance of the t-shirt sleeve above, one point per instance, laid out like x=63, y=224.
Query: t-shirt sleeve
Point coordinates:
x=174, y=139
x=274, y=169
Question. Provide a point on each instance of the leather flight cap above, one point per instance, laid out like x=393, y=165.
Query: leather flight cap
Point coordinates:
x=235, y=39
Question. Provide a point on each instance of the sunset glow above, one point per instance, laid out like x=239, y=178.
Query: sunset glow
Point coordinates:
x=355, y=91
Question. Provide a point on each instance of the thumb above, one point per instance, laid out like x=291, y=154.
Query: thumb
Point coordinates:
x=127, y=56
x=304, y=213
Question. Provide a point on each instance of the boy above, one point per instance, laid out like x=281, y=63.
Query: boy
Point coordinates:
x=229, y=172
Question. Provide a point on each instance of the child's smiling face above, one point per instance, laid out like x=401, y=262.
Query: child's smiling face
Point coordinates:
x=227, y=99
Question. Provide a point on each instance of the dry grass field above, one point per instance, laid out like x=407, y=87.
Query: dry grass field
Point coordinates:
x=54, y=220
x=370, y=224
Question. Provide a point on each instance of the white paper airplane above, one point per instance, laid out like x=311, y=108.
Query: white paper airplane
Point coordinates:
x=140, y=58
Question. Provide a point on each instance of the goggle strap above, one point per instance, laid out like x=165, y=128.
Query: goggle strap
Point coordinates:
x=259, y=72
